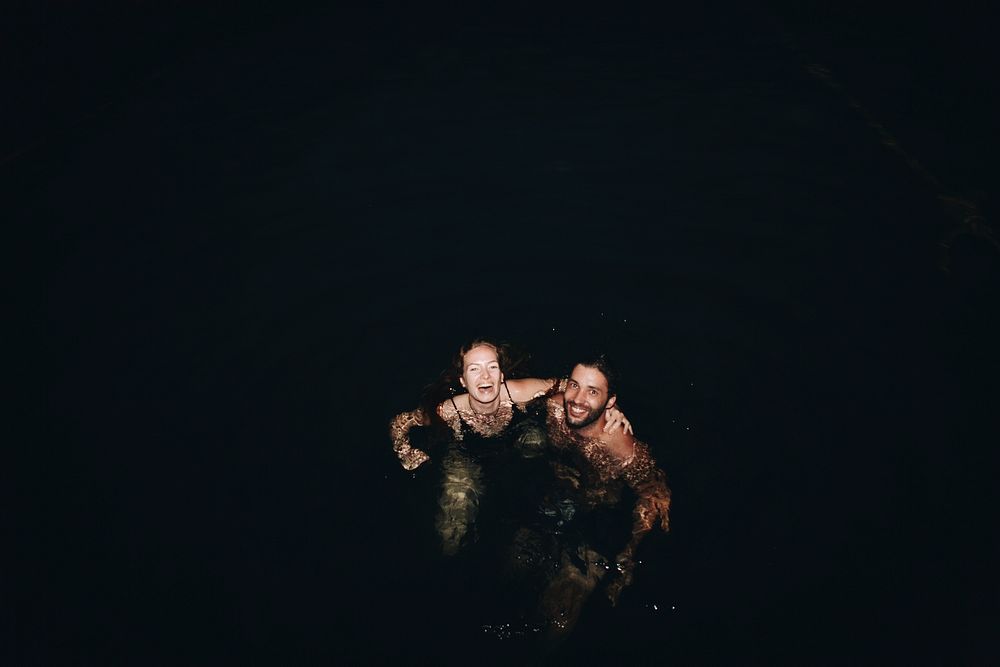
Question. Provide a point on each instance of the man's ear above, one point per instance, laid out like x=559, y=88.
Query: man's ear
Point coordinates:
x=462, y=380
x=611, y=402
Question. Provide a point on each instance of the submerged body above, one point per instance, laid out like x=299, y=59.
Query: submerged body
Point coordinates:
x=595, y=471
x=478, y=457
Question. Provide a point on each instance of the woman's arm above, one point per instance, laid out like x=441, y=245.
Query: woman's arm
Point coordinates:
x=617, y=418
x=523, y=390
x=399, y=431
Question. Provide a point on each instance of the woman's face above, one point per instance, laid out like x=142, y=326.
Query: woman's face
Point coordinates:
x=481, y=375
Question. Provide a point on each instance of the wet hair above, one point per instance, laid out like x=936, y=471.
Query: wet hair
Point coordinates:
x=601, y=362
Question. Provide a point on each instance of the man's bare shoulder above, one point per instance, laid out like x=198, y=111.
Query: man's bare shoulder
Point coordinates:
x=621, y=444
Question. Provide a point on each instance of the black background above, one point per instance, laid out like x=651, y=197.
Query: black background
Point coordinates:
x=265, y=230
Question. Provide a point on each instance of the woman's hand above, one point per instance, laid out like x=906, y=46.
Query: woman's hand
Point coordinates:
x=412, y=458
x=617, y=418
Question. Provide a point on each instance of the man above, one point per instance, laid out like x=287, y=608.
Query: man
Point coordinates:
x=594, y=467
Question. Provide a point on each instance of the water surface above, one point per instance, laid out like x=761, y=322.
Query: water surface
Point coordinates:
x=263, y=252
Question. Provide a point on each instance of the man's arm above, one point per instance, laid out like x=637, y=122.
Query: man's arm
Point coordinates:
x=652, y=507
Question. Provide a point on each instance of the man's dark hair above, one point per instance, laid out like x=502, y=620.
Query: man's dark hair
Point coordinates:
x=601, y=362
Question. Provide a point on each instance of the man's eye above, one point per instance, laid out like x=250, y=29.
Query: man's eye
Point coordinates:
x=593, y=392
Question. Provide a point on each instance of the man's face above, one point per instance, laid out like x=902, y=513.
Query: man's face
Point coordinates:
x=481, y=374
x=586, y=396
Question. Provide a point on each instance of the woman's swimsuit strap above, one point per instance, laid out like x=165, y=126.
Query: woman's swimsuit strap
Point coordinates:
x=455, y=405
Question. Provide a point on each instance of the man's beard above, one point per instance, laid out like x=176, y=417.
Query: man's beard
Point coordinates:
x=588, y=419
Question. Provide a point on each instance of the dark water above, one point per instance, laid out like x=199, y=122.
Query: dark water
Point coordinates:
x=266, y=233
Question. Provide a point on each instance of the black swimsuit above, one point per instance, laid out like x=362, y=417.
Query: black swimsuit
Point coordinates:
x=510, y=480
x=467, y=428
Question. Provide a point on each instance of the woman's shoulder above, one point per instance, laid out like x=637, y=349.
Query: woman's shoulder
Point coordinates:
x=449, y=409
